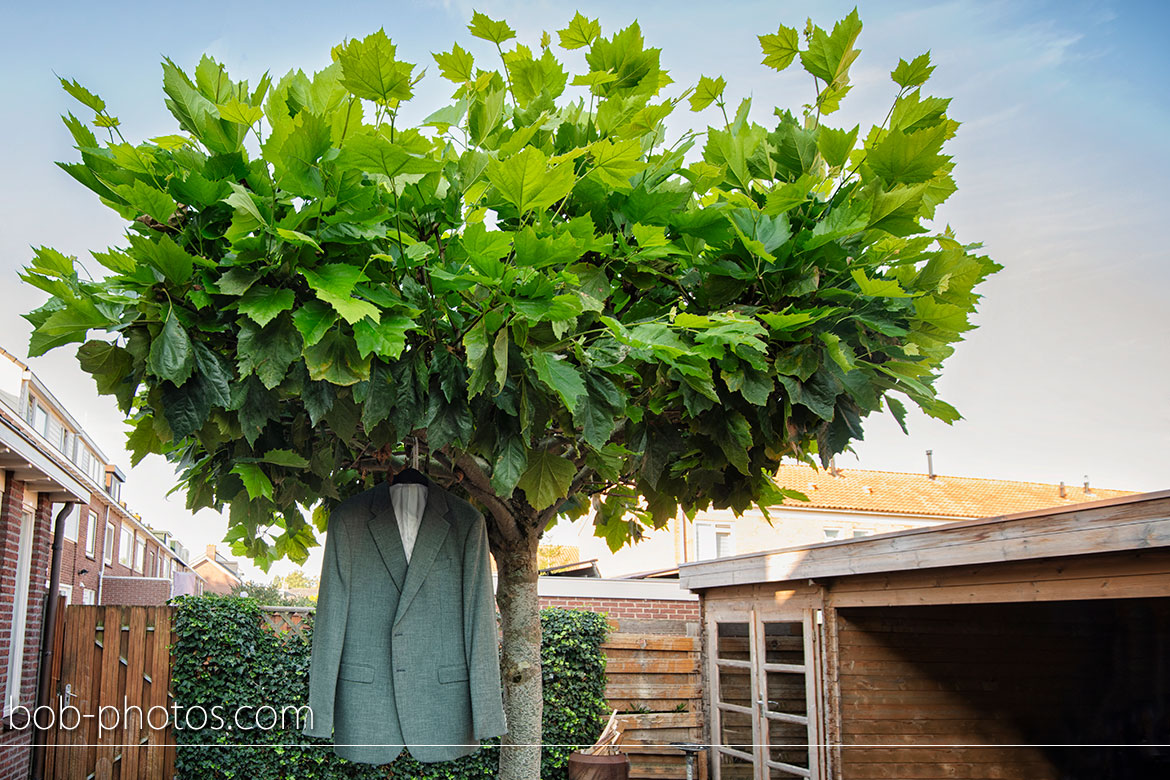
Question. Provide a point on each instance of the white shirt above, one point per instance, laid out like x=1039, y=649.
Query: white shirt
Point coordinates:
x=409, y=501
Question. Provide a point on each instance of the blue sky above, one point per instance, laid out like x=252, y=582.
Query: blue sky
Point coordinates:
x=1061, y=164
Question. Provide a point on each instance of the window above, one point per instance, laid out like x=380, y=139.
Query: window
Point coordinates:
x=40, y=419
x=832, y=533
x=861, y=532
x=126, y=547
x=71, y=525
x=19, y=613
x=91, y=534
x=108, y=545
x=87, y=596
x=139, y=553
x=713, y=540
x=150, y=564
x=66, y=592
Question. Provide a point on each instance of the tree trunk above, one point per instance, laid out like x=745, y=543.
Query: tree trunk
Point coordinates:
x=520, y=659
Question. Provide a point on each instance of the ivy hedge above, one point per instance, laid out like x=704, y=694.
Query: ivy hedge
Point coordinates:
x=224, y=660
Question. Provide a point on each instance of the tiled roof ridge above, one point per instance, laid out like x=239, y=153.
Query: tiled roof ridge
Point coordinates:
x=844, y=472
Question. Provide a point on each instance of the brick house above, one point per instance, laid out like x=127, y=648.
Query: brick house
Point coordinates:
x=220, y=573
x=30, y=483
x=108, y=556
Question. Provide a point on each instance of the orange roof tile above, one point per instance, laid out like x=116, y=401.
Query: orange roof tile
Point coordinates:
x=893, y=492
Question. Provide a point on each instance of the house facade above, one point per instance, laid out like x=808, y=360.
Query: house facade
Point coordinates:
x=220, y=573
x=109, y=555
x=843, y=504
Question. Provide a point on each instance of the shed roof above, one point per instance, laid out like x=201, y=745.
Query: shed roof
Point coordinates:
x=1109, y=525
x=894, y=492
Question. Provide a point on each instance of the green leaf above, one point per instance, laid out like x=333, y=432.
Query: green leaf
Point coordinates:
x=878, y=288
x=235, y=110
x=840, y=353
x=486, y=28
x=215, y=376
x=581, y=32
x=313, y=319
x=500, y=356
x=510, y=464
x=829, y=55
x=526, y=181
x=616, y=163
x=369, y=69
x=909, y=158
x=456, y=65
x=83, y=96
x=286, y=458
x=165, y=255
x=268, y=352
x=334, y=284
x=547, y=479
x=913, y=73
x=185, y=408
x=255, y=481
x=298, y=238
x=386, y=339
x=835, y=145
x=262, y=303
x=335, y=358
x=171, y=356
x=242, y=201
x=158, y=205
x=707, y=92
x=374, y=153
x=475, y=343
x=561, y=376
x=780, y=48
x=111, y=367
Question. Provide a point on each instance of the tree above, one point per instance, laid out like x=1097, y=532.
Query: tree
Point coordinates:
x=296, y=579
x=565, y=306
x=269, y=595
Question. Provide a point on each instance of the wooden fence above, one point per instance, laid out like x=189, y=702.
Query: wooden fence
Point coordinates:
x=653, y=682
x=115, y=661
x=113, y=665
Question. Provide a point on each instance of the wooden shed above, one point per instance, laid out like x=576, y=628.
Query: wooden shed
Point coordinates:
x=1032, y=646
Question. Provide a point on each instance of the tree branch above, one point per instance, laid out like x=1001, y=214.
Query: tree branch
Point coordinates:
x=479, y=486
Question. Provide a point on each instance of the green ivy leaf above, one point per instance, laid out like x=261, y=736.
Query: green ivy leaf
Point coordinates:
x=154, y=203
x=547, y=479
x=83, y=95
x=385, y=338
x=335, y=358
x=878, y=288
x=268, y=352
x=374, y=153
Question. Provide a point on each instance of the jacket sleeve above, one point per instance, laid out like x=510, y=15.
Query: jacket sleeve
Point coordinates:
x=480, y=638
x=328, y=631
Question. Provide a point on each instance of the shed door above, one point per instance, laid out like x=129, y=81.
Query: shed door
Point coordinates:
x=765, y=723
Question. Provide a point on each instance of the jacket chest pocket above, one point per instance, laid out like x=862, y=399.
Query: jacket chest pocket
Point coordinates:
x=363, y=673
x=452, y=673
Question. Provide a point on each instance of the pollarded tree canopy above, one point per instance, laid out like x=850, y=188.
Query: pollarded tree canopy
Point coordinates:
x=558, y=296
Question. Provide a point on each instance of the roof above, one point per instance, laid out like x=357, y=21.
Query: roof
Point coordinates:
x=894, y=492
x=1127, y=523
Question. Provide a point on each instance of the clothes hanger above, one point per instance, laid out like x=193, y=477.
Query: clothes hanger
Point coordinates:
x=410, y=475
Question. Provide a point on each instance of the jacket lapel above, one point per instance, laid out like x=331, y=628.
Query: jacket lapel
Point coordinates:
x=431, y=533
x=383, y=527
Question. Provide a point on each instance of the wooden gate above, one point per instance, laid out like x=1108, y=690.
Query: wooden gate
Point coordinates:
x=113, y=665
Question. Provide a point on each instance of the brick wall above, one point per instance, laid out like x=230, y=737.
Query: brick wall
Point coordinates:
x=135, y=591
x=14, y=752
x=630, y=609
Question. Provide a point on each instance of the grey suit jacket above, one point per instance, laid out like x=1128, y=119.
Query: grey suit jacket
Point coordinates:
x=405, y=654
